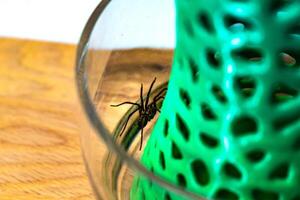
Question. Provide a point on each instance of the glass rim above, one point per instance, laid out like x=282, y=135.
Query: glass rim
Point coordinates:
x=93, y=118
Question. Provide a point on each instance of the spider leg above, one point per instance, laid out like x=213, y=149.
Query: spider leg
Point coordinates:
x=149, y=92
x=124, y=127
x=142, y=138
x=154, y=102
x=157, y=108
x=141, y=96
x=126, y=102
x=160, y=92
x=158, y=98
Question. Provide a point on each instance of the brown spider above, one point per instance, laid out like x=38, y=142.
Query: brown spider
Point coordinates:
x=147, y=111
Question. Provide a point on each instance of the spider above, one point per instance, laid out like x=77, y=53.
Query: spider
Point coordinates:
x=147, y=110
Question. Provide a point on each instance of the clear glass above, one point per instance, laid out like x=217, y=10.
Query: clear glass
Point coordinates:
x=125, y=43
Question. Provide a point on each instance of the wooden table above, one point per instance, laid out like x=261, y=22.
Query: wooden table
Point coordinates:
x=40, y=155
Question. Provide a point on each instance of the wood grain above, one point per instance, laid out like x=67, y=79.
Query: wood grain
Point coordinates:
x=40, y=155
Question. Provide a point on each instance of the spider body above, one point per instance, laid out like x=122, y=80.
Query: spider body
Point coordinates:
x=147, y=115
x=146, y=110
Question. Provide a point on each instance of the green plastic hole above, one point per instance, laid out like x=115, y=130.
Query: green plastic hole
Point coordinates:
x=208, y=140
x=143, y=195
x=181, y=180
x=245, y=85
x=294, y=32
x=162, y=160
x=226, y=194
x=255, y=155
x=287, y=61
x=185, y=97
x=213, y=58
x=232, y=171
x=205, y=22
x=200, y=172
x=235, y=24
x=167, y=197
x=247, y=54
x=259, y=194
x=166, y=128
x=207, y=112
x=181, y=125
x=219, y=94
x=243, y=125
x=282, y=93
x=278, y=5
x=152, y=169
x=280, y=172
x=194, y=70
x=290, y=57
x=176, y=154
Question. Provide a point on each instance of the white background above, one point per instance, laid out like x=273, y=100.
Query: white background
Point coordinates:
x=51, y=20
x=149, y=23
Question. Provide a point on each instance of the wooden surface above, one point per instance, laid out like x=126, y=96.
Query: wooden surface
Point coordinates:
x=40, y=155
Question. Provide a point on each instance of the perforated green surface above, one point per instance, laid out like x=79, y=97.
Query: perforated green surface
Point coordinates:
x=230, y=123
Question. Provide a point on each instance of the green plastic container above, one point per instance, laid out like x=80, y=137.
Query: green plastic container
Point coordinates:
x=230, y=122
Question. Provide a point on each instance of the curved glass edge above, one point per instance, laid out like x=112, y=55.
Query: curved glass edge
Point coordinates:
x=93, y=118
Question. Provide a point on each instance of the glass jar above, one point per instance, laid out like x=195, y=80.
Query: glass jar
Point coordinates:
x=125, y=43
